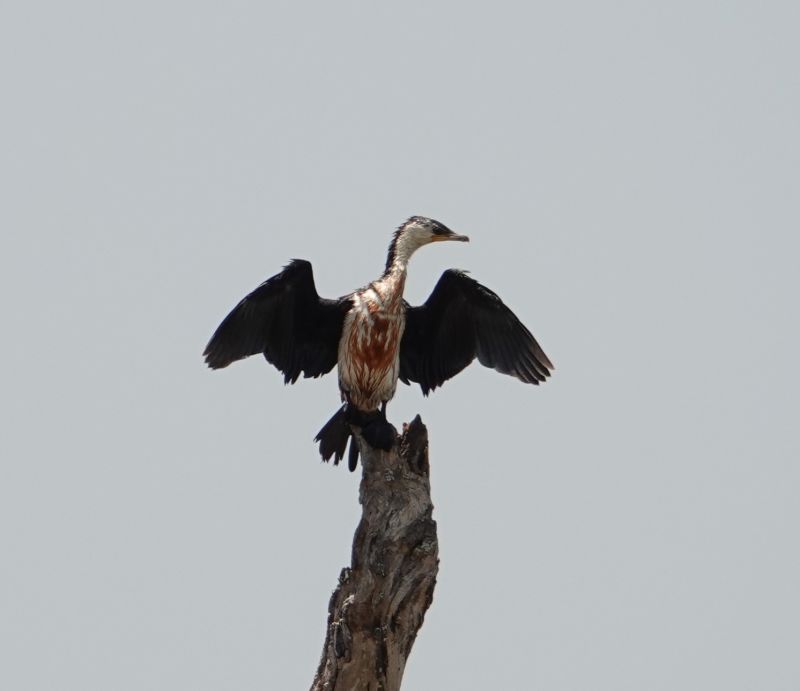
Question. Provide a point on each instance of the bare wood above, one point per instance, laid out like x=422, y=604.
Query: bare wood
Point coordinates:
x=381, y=599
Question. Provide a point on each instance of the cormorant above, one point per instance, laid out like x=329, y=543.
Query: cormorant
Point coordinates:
x=376, y=337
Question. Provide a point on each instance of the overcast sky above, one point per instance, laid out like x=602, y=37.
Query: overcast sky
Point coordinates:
x=629, y=174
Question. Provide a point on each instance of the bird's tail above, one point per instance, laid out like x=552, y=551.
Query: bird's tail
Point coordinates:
x=333, y=438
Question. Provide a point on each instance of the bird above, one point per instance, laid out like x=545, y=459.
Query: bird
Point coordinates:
x=375, y=338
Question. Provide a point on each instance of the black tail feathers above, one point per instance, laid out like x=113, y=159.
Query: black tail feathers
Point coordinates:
x=352, y=457
x=332, y=438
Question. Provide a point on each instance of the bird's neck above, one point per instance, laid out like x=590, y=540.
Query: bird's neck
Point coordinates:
x=398, y=267
x=400, y=251
x=393, y=282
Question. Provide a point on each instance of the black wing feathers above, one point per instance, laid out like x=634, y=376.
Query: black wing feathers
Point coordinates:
x=285, y=319
x=462, y=320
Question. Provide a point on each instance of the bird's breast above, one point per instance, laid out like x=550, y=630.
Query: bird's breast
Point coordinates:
x=369, y=350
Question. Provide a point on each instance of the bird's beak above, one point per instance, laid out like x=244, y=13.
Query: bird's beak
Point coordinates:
x=451, y=236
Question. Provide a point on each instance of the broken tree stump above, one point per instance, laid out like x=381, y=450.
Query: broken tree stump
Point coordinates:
x=381, y=599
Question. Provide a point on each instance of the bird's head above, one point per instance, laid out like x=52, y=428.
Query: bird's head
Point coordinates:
x=416, y=232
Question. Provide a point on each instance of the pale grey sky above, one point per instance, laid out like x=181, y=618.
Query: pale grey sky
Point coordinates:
x=629, y=174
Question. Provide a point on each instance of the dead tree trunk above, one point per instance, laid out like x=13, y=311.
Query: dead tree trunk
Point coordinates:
x=380, y=602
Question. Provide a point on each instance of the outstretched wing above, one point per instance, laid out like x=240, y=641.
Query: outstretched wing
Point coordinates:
x=462, y=320
x=285, y=319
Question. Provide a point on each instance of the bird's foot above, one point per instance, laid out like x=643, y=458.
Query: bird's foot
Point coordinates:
x=360, y=418
x=375, y=429
x=379, y=433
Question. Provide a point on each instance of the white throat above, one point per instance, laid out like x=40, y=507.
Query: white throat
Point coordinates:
x=406, y=245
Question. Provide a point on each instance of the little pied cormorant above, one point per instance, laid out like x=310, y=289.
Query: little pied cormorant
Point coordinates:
x=376, y=337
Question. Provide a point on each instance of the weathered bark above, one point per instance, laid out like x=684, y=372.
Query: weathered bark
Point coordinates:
x=380, y=603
